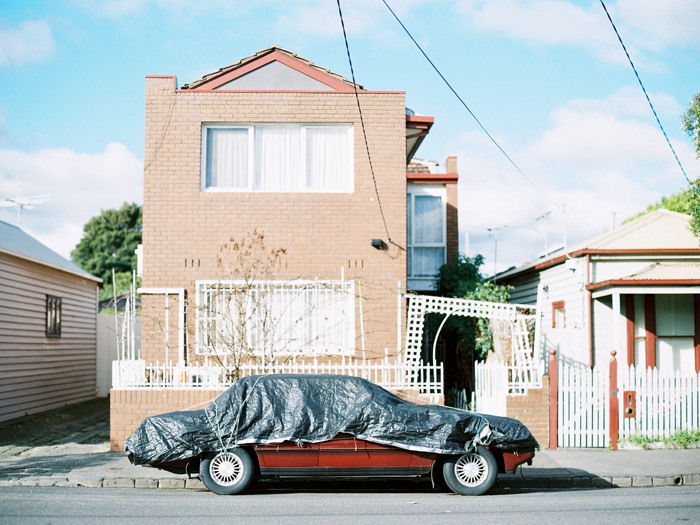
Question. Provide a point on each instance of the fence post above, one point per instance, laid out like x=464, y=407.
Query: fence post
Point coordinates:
x=614, y=406
x=553, y=370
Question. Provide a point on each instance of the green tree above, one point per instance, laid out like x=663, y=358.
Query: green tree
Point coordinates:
x=691, y=122
x=109, y=242
x=691, y=125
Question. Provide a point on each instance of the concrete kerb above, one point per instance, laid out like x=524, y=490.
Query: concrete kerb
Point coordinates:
x=560, y=482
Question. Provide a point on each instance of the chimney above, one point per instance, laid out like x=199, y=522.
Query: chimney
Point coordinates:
x=451, y=164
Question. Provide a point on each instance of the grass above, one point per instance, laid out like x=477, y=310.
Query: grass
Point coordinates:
x=681, y=439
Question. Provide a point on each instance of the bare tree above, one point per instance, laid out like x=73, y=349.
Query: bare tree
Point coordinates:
x=252, y=316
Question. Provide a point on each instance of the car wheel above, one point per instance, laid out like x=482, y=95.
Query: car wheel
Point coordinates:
x=227, y=473
x=471, y=474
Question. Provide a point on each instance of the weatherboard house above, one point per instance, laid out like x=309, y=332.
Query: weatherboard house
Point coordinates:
x=634, y=290
x=275, y=151
x=48, y=327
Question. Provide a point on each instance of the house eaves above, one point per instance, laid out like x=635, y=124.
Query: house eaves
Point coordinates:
x=417, y=128
x=17, y=243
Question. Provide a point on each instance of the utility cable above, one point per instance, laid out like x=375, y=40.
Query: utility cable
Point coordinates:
x=362, y=122
x=644, y=90
x=483, y=128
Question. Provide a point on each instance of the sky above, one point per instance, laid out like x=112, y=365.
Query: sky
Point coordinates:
x=547, y=79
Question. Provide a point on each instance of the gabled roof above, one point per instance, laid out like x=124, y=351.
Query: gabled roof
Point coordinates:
x=14, y=241
x=661, y=229
x=659, y=232
x=324, y=78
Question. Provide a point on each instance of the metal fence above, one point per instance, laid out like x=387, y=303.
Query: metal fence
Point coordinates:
x=388, y=373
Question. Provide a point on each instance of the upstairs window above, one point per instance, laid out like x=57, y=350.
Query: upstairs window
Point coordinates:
x=278, y=158
x=53, y=316
x=426, y=230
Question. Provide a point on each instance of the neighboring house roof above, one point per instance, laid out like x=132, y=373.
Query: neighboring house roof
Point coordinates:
x=14, y=241
x=417, y=167
x=659, y=232
x=657, y=274
x=266, y=57
x=660, y=229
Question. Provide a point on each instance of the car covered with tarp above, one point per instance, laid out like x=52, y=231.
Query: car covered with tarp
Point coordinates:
x=281, y=425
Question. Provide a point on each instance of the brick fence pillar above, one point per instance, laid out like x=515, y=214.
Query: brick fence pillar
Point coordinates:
x=553, y=370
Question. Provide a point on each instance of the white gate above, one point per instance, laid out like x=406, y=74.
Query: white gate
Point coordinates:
x=584, y=406
x=664, y=404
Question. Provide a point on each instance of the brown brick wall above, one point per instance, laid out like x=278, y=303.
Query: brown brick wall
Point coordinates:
x=129, y=407
x=533, y=411
x=184, y=228
x=452, y=226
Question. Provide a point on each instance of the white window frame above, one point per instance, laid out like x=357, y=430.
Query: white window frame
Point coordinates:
x=412, y=191
x=348, y=187
x=313, y=323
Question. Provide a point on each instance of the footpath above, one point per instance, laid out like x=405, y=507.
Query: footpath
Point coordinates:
x=70, y=448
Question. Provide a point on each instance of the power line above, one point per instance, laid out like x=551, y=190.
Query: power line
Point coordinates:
x=362, y=122
x=645, y=91
x=483, y=128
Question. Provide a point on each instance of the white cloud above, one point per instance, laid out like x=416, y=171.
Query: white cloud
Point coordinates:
x=601, y=161
x=80, y=185
x=31, y=41
x=645, y=25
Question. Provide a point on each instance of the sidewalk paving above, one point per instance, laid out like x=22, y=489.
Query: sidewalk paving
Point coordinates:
x=70, y=448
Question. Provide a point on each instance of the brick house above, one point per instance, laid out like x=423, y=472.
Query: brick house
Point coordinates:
x=273, y=148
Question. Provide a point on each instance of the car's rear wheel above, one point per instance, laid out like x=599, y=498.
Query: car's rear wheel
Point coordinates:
x=228, y=472
x=471, y=474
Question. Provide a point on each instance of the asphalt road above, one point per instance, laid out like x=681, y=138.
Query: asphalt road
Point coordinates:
x=37, y=505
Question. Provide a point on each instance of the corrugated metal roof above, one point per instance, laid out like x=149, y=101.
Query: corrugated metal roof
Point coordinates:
x=14, y=241
x=658, y=230
x=667, y=271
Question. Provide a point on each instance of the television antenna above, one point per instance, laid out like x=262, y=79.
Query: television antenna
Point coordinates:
x=24, y=203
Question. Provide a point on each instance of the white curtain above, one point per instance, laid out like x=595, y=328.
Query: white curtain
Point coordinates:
x=278, y=158
x=328, y=158
x=227, y=158
x=427, y=228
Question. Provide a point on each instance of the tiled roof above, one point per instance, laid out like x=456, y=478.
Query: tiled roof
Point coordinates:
x=210, y=76
x=14, y=241
x=417, y=167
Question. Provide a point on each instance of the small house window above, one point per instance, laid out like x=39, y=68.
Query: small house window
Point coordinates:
x=558, y=314
x=426, y=230
x=53, y=316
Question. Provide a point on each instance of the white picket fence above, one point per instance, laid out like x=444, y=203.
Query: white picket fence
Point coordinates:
x=584, y=407
x=388, y=373
x=665, y=404
x=493, y=382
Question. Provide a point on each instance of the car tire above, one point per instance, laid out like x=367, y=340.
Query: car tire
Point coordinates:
x=229, y=472
x=471, y=474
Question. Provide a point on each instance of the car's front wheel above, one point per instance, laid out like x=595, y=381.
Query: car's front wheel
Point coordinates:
x=228, y=472
x=471, y=474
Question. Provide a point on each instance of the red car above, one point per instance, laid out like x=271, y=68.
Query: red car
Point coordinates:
x=329, y=426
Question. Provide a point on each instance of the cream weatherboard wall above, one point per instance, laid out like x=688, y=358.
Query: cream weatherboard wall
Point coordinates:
x=39, y=373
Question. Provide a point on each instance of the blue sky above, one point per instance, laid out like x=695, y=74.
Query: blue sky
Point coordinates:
x=547, y=78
